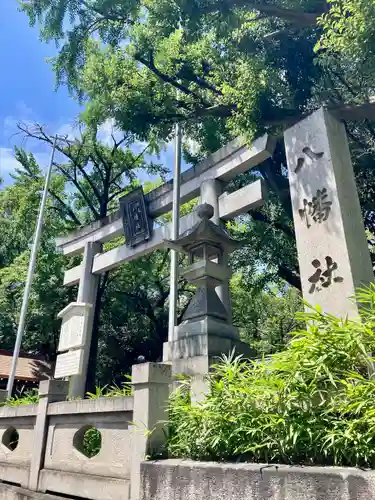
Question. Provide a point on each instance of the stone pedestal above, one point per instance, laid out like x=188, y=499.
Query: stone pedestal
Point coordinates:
x=151, y=384
x=50, y=391
x=87, y=291
x=199, y=345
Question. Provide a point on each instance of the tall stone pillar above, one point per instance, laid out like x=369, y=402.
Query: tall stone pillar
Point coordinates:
x=210, y=191
x=332, y=247
x=87, y=291
x=151, y=385
x=50, y=391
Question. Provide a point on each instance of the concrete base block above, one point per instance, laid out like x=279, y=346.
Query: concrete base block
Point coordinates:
x=193, y=356
x=16, y=474
x=206, y=326
x=204, y=345
x=84, y=485
x=8, y=492
x=184, y=479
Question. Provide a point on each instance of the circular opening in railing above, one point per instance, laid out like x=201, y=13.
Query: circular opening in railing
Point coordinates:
x=88, y=441
x=10, y=438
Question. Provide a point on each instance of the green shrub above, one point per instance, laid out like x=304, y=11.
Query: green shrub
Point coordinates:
x=313, y=403
x=32, y=396
x=24, y=398
x=112, y=391
x=92, y=442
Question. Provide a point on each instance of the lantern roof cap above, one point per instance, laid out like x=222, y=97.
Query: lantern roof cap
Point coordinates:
x=206, y=231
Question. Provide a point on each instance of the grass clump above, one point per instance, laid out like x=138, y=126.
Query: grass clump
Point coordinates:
x=112, y=391
x=108, y=391
x=28, y=397
x=312, y=404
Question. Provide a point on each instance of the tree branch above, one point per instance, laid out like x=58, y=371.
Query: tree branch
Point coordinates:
x=77, y=165
x=260, y=217
x=117, y=176
x=74, y=181
x=67, y=210
x=188, y=74
x=291, y=277
x=66, y=151
x=168, y=79
x=108, y=16
x=293, y=16
x=63, y=150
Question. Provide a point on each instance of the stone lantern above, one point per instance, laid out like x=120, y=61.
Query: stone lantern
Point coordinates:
x=205, y=244
x=205, y=332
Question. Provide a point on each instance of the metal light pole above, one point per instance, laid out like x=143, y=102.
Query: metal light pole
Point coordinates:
x=30, y=275
x=175, y=234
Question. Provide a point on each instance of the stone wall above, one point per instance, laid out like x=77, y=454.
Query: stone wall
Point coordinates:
x=49, y=460
x=15, y=462
x=42, y=445
x=16, y=493
x=186, y=480
x=67, y=469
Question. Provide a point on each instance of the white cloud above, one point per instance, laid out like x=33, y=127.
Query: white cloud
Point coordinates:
x=71, y=131
x=107, y=131
x=7, y=161
x=24, y=110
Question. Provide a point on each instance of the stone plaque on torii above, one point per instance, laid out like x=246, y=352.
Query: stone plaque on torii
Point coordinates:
x=206, y=180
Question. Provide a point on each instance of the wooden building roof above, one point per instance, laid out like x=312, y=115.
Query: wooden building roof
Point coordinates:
x=29, y=368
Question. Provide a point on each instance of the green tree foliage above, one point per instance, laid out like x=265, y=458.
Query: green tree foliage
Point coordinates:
x=226, y=60
x=93, y=174
x=134, y=315
x=19, y=205
x=349, y=31
x=132, y=300
x=310, y=404
x=265, y=317
x=221, y=68
x=238, y=66
x=96, y=172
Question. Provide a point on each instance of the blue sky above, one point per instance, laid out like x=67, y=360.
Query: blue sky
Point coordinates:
x=27, y=85
x=27, y=89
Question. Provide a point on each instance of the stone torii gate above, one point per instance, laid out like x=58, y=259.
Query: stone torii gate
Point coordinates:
x=331, y=242
x=206, y=180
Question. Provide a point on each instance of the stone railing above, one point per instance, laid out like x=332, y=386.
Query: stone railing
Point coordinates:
x=67, y=469
x=17, y=434
x=44, y=446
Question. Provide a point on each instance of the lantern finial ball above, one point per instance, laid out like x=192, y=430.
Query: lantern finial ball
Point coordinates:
x=205, y=211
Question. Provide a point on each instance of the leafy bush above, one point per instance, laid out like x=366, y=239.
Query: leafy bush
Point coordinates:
x=24, y=398
x=112, y=391
x=92, y=442
x=32, y=396
x=313, y=403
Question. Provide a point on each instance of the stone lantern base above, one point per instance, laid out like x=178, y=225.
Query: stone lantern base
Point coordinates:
x=198, y=345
